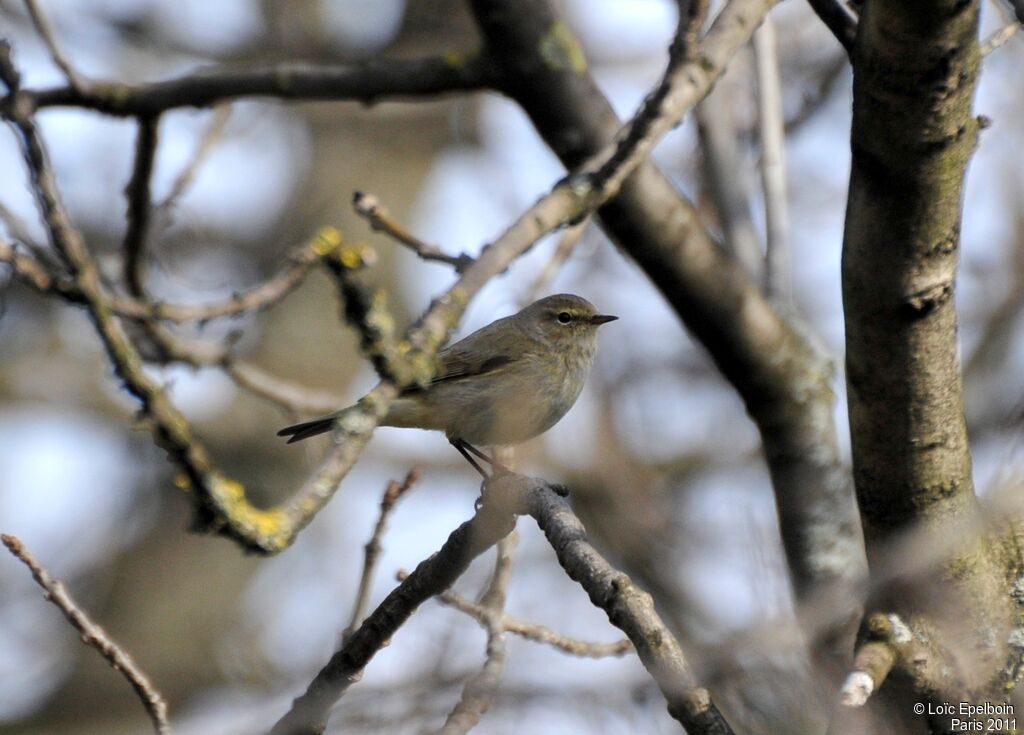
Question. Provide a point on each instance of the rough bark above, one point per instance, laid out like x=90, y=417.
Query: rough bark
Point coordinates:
x=915, y=66
x=783, y=379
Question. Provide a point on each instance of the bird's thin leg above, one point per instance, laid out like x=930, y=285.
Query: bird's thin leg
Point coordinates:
x=462, y=446
x=495, y=464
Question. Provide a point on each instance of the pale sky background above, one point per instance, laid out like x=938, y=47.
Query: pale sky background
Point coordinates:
x=67, y=474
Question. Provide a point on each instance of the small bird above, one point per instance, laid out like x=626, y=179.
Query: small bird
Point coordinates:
x=503, y=384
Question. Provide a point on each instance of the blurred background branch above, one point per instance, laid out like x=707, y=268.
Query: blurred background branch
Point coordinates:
x=259, y=121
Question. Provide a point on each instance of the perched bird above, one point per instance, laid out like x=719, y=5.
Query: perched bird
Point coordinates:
x=503, y=384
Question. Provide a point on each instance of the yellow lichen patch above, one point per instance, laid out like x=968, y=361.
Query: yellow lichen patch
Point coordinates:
x=326, y=240
x=421, y=368
x=182, y=482
x=266, y=528
x=353, y=256
x=455, y=59
x=560, y=49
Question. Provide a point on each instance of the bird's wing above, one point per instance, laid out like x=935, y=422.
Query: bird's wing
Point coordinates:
x=486, y=350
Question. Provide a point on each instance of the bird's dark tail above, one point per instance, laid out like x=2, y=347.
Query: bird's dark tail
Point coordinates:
x=298, y=432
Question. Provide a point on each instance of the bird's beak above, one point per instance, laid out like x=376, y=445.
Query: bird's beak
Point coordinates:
x=602, y=319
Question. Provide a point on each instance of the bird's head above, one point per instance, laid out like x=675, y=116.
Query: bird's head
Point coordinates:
x=565, y=319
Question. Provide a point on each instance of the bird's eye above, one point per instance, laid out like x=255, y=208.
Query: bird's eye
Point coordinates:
x=565, y=317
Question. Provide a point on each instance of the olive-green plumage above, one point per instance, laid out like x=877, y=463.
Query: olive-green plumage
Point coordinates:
x=504, y=383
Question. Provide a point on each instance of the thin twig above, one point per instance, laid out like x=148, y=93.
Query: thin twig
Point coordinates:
x=372, y=550
x=771, y=122
x=366, y=82
x=139, y=205
x=570, y=239
x=839, y=19
x=628, y=607
x=300, y=261
x=79, y=83
x=662, y=108
x=29, y=270
x=297, y=399
x=94, y=636
x=534, y=631
x=494, y=520
x=370, y=208
x=479, y=692
x=888, y=640
x=213, y=134
x=17, y=228
x=998, y=38
x=727, y=186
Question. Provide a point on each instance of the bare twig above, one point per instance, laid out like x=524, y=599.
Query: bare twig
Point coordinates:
x=570, y=239
x=392, y=495
x=79, y=83
x=139, y=205
x=94, y=636
x=998, y=38
x=299, y=262
x=29, y=270
x=370, y=208
x=628, y=607
x=534, y=631
x=366, y=82
x=773, y=163
x=17, y=228
x=888, y=639
x=221, y=501
x=479, y=692
x=662, y=109
x=213, y=134
x=838, y=18
x=494, y=520
x=728, y=189
x=295, y=398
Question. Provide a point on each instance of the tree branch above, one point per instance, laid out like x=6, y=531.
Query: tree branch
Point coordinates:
x=913, y=133
x=782, y=376
x=372, y=550
x=45, y=31
x=494, y=520
x=479, y=692
x=838, y=19
x=366, y=82
x=504, y=496
x=629, y=608
x=139, y=205
x=534, y=631
x=778, y=268
x=94, y=636
x=370, y=208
